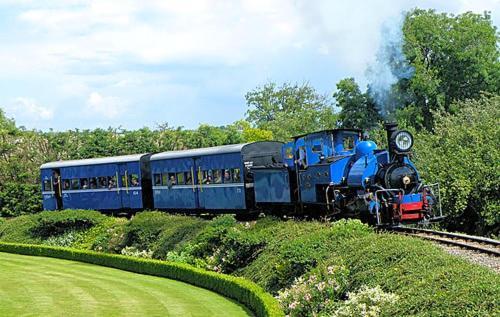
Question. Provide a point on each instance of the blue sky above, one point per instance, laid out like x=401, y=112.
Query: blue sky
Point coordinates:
x=87, y=64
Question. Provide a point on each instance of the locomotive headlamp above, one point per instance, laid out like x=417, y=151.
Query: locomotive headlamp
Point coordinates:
x=403, y=140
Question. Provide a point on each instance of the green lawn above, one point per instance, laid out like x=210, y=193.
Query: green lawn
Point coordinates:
x=39, y=286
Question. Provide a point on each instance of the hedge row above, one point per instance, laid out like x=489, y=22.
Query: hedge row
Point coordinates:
x=242, y=290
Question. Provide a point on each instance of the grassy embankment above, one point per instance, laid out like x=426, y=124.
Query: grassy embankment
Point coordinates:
x=332, y=269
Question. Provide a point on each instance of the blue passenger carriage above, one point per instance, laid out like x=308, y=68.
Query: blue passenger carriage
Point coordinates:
x=212, y=180
x=106, y=184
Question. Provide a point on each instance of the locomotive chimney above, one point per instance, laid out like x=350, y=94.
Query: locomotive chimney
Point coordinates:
x=390, y=127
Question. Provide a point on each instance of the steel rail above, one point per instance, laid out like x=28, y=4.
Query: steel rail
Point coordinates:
x=439, y=235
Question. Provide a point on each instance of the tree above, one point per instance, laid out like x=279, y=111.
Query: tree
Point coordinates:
x=455, y=58
x=464, y=157
x=289, y=110
x=357, y=109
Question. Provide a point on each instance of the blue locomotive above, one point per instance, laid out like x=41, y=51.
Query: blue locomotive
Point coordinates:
x=326, y=173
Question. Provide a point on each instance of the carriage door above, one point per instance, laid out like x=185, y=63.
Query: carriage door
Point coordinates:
x=124, y=185
x=200, y=179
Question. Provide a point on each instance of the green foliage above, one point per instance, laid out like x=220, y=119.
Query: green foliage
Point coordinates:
x=19, y=199
x=428, y=281
x=366, y=302
x=357, y=109
x=54, y=223
x=455, y=58
x=315, y=292
x=109, y=236
x=144, y=228
x=289, y=110
x=464, y=157
x=18, y=229
x=244, y=291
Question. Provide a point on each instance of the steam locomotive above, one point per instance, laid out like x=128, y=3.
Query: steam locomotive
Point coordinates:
x=330, y=173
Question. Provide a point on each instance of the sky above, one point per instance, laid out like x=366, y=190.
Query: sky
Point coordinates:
x=88, y=64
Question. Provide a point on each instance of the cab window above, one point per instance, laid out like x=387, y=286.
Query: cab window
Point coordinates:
x=348, y=142
x=289, y=153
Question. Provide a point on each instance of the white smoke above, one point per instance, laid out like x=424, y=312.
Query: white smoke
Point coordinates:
x=388, y=69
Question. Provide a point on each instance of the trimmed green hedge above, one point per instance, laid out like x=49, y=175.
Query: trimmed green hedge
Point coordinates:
x=242, y=290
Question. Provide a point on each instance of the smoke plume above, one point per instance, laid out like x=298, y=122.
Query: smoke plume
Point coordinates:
x=389, y=68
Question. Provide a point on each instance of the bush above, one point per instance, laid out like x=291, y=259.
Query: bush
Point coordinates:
x=19, y=199
x=179, y=231
x=366, y=302
x=428, y=281
x=143, y=229
x=244, y=291
x=463, y=156
x=18, y=230
x=109, y=236
x=54, y=223
x=314, y=292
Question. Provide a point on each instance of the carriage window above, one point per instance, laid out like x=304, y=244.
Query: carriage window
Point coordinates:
x=189, y=178
x=164, y=179
x=217, y=176
x=134, y=180
x=102, y=182
x=207, y=177
x=75, y=183
x=348, y=143
x=93, y=183
x=66, y=184
x=47, y=185
x=227, y=176
x=84, y=183
x=236, y=175
x=171, y=179
x=180, y=179
x=112, y=182
x=157, y=179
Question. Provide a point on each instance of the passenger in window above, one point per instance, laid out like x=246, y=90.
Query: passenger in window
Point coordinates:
x=84, y=184
x=111, y=183
x=208, y=177
x=135, y=181
x=93, y=183
x=189, y=180
x=217, y=176
x=171, y=181
x=236, y=175
x=102, y=182
x=157, y=179
x=227, y=176
x=66, y=184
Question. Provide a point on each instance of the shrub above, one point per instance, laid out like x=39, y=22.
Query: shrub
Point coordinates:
x=143, y=229
x=428, y=281
x=312, y=293
x=18, y=230
x=132, y=251
x=19, y=199
x=109, y=236
x=244, y=291
x=366, y=302
x=54, y=223
x=179, y=231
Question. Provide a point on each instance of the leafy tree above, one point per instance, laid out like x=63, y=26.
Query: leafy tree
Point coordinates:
x=357, y=108
x=464, y=157
x=455, y=58
x=289, y=110
x=250, y=134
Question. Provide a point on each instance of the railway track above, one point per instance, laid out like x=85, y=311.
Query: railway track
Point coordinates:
x=474, y=243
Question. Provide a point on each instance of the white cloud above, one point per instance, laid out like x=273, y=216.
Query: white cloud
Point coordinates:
x=108, y=106
x=28, y=108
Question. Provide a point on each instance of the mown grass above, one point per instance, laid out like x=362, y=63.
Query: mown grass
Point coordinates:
x=53, y=287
